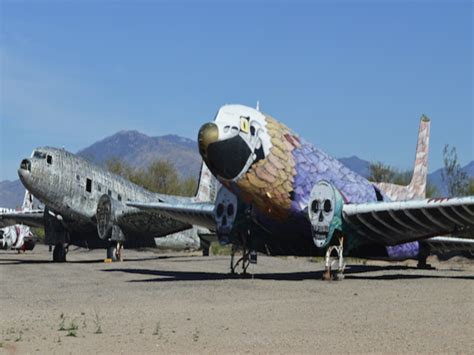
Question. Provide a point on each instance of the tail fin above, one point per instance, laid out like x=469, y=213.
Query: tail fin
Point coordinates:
x=207, y=186
x=417, y=187
x=27, y=201
x=420, y=173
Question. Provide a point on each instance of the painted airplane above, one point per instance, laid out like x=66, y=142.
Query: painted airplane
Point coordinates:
x=77, y=194
x=284, y=196
x=18, y=236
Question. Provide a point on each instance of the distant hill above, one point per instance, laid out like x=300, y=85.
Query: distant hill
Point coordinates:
x=11, y=194
x=356, y=164
x=139, y=150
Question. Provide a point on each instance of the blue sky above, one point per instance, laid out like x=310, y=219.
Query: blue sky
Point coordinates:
x=351, y=77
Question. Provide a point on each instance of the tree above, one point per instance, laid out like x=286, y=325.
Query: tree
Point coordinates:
x=119, y=167
x=455, y=179
x=380, y=172
x=161, y=177
x=471, y=187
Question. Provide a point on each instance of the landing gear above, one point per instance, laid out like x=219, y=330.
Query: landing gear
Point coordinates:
x=115, y=251
x=59, y=253
x=248, y=256
x=244, y=259
x=331, y=273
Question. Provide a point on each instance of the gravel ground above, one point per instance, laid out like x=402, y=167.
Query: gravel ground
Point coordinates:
x=186, y=303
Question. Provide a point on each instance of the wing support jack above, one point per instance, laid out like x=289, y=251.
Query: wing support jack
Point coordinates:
x=330, y=272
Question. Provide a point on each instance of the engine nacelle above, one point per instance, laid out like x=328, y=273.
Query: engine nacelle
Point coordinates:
x=108, y=211
x=225, y=212
x=324, y=212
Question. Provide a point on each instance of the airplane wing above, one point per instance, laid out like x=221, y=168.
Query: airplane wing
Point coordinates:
x=450, y=244
x=32, y=218
x=194, y=213
x=398, y=222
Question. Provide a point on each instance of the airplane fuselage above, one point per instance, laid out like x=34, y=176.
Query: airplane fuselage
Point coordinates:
x=71, y=187
x=273, y=169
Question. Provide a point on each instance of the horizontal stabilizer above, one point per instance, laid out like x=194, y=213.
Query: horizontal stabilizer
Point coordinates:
x=450, y=244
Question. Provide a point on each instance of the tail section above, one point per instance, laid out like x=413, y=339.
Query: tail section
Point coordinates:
x=420, y=172
x=207, y=187
x=27, y=201
x=417, y=187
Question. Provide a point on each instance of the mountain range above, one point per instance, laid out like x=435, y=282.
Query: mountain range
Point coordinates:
x=140, y=150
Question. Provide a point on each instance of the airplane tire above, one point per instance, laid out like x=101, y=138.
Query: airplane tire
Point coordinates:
x=59, y=253
x=112, y=252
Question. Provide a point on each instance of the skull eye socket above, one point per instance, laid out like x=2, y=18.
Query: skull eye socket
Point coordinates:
x=220, y=210
x=230, y=210
x=315, y=206
x=327, y=206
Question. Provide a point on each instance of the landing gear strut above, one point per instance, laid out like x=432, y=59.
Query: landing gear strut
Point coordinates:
x=59, y=252
x=331, y=273
x=115, y=251
x=244, y=259
x=248, y=256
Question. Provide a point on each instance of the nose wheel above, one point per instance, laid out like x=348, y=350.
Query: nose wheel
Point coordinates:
x=334, y=265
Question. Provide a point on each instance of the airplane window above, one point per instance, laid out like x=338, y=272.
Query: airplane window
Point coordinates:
x=88, y=185
x=39, y=155
x=49, y=159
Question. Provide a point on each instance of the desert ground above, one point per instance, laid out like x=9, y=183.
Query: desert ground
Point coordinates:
x=185, y=303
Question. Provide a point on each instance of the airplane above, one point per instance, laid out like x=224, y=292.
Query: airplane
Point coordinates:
x=283, y=196
x=75, y=192
x=18, y=236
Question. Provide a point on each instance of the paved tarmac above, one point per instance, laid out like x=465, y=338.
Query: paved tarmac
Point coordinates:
x=186, y=303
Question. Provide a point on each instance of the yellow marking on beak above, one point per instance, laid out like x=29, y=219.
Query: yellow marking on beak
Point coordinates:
x=244, y=125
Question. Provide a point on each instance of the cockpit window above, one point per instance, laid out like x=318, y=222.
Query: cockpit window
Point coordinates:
x=39, y=155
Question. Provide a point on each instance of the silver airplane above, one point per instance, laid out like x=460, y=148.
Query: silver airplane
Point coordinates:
x=76, y=192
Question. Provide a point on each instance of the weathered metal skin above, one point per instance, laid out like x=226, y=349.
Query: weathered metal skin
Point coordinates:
x=71, y=187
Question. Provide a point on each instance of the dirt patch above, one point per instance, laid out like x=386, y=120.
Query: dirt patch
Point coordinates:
x=186, y=303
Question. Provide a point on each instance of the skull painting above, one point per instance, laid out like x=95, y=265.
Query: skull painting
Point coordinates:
x=225, y=211
x=321, y=208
